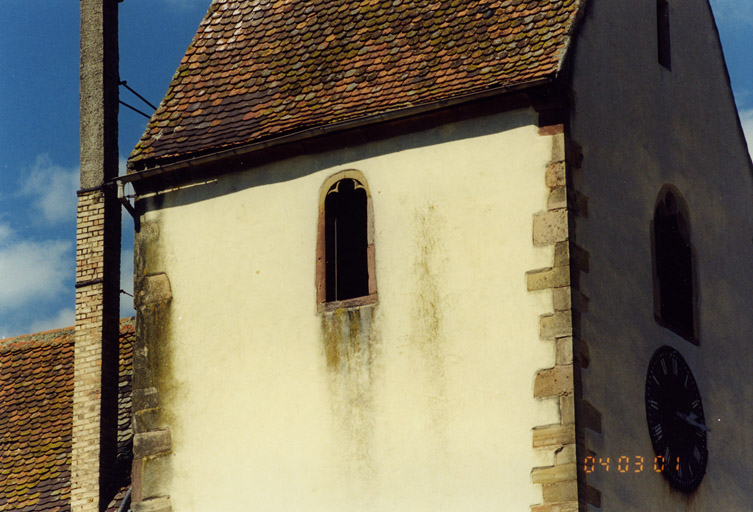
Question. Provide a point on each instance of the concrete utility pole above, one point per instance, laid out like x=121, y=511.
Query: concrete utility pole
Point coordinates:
x=95, y=396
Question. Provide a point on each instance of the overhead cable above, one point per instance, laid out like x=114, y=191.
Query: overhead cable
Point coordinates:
x=134, y=109
x=125, y=84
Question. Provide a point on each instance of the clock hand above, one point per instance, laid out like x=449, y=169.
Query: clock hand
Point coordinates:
x=692, y=419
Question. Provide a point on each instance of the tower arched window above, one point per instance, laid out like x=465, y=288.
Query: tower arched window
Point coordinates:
x=345, y=249
x=674, y=266
x=662, y=32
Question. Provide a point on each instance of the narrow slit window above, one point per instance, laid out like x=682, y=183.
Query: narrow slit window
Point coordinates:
x=346, y=243
x=662, y=28
x=674, y=294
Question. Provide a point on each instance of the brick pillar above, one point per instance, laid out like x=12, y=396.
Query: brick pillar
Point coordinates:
x=97, y=265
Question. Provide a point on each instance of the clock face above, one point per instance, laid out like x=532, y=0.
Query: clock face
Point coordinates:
x=674, y=413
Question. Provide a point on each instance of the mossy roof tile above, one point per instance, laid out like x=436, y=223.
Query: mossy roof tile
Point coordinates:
x=36, y=389
x=261, y=60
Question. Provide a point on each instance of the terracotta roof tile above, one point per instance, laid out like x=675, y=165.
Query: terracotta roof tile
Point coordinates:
x=258, y=69
x=36, y=393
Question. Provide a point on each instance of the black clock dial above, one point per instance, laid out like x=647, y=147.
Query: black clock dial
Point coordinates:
x=674, y=413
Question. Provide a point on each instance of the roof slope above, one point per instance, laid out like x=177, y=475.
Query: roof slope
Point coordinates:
x=36, y=393
x=259, y=69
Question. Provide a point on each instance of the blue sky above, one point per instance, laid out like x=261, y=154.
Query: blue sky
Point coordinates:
x=39, y=137
x=39, y=142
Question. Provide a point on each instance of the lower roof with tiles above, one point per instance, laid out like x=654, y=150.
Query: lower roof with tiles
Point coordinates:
x=36, y=394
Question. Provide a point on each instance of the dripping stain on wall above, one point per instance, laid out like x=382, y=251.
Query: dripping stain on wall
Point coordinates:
x=353, y=353
x=427, y=334
x=349, y=339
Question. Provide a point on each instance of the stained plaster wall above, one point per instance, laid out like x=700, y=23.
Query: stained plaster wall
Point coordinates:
x=429, y=405
x=641, y=126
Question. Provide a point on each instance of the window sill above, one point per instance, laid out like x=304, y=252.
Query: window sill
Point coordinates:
x=690, y=337
x=356, y=302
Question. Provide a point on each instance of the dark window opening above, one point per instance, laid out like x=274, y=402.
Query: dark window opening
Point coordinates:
x=662, y=25
x=674, y=268
x=346, y=243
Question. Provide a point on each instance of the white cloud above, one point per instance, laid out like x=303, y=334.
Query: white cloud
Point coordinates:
x=746, y=118
x=122, y=165
x=52, y=189
x=5, y=233
x=63, y=318
x=34, y=271
x=126, y=283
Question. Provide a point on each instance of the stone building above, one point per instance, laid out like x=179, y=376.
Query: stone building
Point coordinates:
x=401, y=255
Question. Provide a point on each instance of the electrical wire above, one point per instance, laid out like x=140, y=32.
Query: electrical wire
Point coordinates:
x=134, y=109
x=139, y=96
x=125, y=84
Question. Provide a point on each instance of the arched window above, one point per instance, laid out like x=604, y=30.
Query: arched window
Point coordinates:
x=345, y=249
x=674, y=273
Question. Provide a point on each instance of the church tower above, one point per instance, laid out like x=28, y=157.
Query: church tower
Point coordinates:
x=455, y=257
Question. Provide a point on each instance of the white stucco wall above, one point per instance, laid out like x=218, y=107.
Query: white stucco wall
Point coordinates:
x=439, y=415
x=642, y=126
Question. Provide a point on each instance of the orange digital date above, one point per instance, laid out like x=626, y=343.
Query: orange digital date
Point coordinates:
x=592, y=463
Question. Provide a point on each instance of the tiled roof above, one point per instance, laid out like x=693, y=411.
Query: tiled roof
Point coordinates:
x=259, y=69
x=36, y=412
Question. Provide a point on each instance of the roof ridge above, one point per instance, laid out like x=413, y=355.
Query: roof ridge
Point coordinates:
x=127, y=324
